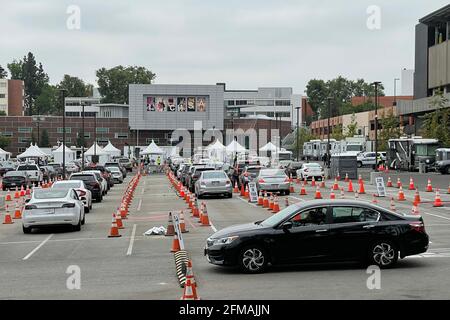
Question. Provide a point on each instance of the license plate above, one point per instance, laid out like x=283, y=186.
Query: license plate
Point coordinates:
x=275, y=185
x=215, y=183
x=13, y=184
x=50, y=211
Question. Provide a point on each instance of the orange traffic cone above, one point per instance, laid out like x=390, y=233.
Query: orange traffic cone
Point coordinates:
x=271, y=199
x=392, y=207
x=242, y=190
x=322, y=182
x=114, y=232
x=437, y=200
x=123, y=211
x=27, y=191
x=16, y=194
x=448, y=190
x=170, y=227
x=205, y=220
x=291, y=188
x=190, y=276
x=260, y=199
x=313, y=182
x=181, y=191
x=399, y=183
x=235, y=189
x=417, y=197
x=303, y=190
x=17, y=212
x=360, y=180
x=346, y=177
x=350, y=186
x=401, y=195
x=188, y=293
x=22, y=191
x=265, y=200
x=411, y=184
x=332, y=195
x=8, y=219
x=305, y=181
x=361, y=188
x=389, y=183
x=247, y=195
x=119, y=222
x=429, y=186
x=8, y=196
x=318, y=194
x=276, y=206
x=335, y=185
x=182, y=223
x=175, y=244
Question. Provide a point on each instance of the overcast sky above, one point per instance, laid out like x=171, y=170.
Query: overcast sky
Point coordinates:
x=244, y=43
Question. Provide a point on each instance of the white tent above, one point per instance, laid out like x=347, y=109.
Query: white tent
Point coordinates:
x=235, y=147
x=111, y=150
x=58, y=154
x=152, y=149
x=269, y=147
x=4, y=155
x=216, y=151
x=95, y=149
x=32, y=151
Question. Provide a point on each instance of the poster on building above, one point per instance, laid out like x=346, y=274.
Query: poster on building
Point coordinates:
x=160, y=105
x=201, y=104
x=171, y=104
x=191, y=104
x=150, y=104
x=181, y=103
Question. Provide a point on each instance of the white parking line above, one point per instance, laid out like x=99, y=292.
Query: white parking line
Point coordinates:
x=252, y=204
x=296, y=198
x=212, y=226
x=139, y=205
x=37, y=248
x=435, y=215
x=130, y=247
x=143, y=189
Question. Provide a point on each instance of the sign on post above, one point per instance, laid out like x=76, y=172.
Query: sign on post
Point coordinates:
x=381, y=189
x=176, y=222
x=253, y=192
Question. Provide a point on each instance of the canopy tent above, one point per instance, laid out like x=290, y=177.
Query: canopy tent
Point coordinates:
x=234, y=146
x=152, y=149
x=111, y=150
x=58, y=154
x=269, y=147
x=32, y=151
x=95, y=149
x=216, y=151
x=4, y=155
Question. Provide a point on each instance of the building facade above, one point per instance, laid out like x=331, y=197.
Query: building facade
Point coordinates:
x=12, y=97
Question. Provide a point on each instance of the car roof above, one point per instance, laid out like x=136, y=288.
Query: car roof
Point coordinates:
x=341, y=202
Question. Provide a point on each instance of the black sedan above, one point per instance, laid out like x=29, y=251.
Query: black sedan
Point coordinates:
x=320, y=231
x=15, y=179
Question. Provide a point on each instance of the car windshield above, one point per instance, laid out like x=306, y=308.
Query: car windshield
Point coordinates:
x=214, y=175
x=254, y=170
x=49, y=193
x=113, y=169
x=426, y=149
x=280, y=216
x=27, y=167
x=67, y=185
x=312, y=165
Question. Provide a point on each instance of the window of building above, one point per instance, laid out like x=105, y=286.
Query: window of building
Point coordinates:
x=265, y=102
x=87, y=135
x=102, y=130
x=68, y=139
x=24, y=130
x=2, y=95
x=90, y=114
x=282, y=103
x=60, y=130
x=21, y=149
x=121, y=135
x=102, y=141
x=3, y=84
x=24, y=140
x=149, y=140
x=72, y=114
x=230, y=102
x=7, y=134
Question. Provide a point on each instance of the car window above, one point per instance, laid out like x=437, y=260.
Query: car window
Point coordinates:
x=27, y=168
x=314, y=216
x=214, y=175
x=353, y=214
x=49, y=193
x=67, y=185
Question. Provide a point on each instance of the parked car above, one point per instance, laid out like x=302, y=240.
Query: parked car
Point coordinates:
x=71, y=167
x=273, y=180
x=15, y=179
x=103, y=182
x=118, y=165
x=57, y=167
x=83, y=192
x=92, y=183
x=249, y=174
x=213, y=182
x=368, y=158
x=32, y=171
x=195, y=175
x=116, y=174
x=291, y=169
x=105, y=173
x=126, y=163
x=309, y=170
x=53, y=207
x=327, y=231
x=5, y=167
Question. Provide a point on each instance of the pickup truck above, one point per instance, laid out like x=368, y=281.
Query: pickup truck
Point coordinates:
x=32, y=171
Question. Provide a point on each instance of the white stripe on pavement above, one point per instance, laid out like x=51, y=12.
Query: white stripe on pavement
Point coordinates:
x=252, y=204
x=212, y=226
x=435, y=215
x=130, y=247
x=37, y=248
x=139, y=205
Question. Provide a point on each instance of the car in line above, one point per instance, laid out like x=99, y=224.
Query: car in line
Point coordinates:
x=105, y=173
x=308, y=170
x=196, y=172
x=213, y=182
x=273, y=180
x=249, y=174
x=291, y=169
x=320, y=231
x=83, y=192
x=53, y=207
x=15, y=179
x=92, y=183
x=116, y=174
x=33, y=172
x=5, y=167
x=126, y=163
x=118, y=165
x=103, y=183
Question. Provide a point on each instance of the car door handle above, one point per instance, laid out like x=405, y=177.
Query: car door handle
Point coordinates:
x=369, y=226
x=321, y=230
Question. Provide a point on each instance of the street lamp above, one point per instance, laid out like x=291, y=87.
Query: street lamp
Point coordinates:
x=82, y=129
x=63, y=93
x=297, y=133
x=376, y=84
x=328, y=132
x=395, y=91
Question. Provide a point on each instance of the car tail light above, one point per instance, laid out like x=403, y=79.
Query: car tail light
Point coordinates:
x=418, y=226
x=30, y=207
x=261, y=181
x=81, y=192
x=228, y=183
x=306, y=170
x=95, y=184
x=68, y=205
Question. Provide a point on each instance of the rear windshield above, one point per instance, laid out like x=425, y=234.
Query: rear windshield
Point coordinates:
x=27, y=167
x=124, y=160
x=214, y=175
x=254, y=170
x=312, y=165
x=296, y=164
x=113, y=169
x=83, y=177
x=111, y=164
x=49, y=194
x=198, y=171
x=272, y=173
x=66, y=185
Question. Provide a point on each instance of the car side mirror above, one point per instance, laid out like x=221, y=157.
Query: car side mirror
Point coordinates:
x=27, y=200
x=287, y=225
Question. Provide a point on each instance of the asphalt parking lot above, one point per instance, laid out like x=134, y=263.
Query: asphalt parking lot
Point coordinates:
x=141, y=267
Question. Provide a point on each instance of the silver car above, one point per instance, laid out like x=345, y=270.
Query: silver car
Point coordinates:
x=213, y=182
x=116, y=174
x=53, y=207
x=273, y=180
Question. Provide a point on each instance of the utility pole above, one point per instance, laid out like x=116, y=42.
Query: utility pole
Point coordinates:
x=63, y=98
x=82, y=145
x=395, y=91
x=328, y=132
x=297, y=133
x=376, y=84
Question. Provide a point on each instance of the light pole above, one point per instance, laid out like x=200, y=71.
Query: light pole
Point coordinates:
x=297, y=133
x=82, y=145
x=63, y=93
x=328, y=132
x=376, y=84
x=395, y=91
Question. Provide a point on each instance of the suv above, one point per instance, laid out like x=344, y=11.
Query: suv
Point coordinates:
x=32, y=171
x=249, y=175
x=126, y=163
x=15, y=179
x=91, y=182
x=118, y=165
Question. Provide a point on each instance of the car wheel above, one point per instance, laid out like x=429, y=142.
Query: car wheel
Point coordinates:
x=288, y=192
x=78, y=226
x=448, y=170
x=253, y=259
x=359, y=164
x=26, y=230
x=230, y=195
x=383, y=253
x=84, y=220
x=86, y=209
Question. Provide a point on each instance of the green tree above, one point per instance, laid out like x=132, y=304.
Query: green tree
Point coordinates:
x=113, y=83
x=75, y=86
x=2, y=113
x=45, y=140
x=435, y=124
x=3, y=73
x=33, y=137
x=4, y=142
x=390, y=129
x=317, y=93
x=47, y=102
x=337, y=133
x=80, y=140
x=352, y=127
x=15, y=69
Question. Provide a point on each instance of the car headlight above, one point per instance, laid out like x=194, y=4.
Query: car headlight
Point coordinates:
x=427, y=161
x=226, y=240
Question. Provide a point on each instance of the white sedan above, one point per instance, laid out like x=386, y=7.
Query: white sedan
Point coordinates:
x=53, y=207
x=84, y=194
x=309, y=170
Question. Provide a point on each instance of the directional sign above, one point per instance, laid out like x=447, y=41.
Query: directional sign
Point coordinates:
x=381, y=189
x=253, y=192
x=176, y=222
